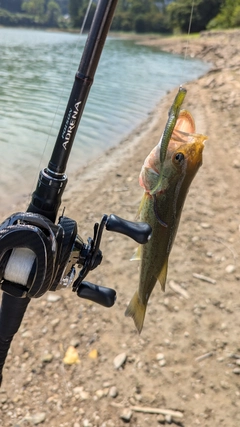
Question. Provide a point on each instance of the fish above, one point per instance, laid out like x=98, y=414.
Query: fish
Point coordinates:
x=162, y=208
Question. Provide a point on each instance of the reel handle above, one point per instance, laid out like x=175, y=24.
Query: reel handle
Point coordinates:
x=138, y=231
x=99, y=294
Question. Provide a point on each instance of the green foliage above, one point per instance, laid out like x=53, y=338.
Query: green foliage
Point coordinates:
x=139, y=15
x=34, y=7
x=15, y=19
x=41, y=13
x=77, y=11
x=179, y=13
x=228, y=17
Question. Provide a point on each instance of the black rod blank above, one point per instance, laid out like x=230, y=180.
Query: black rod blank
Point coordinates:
x=81, y=87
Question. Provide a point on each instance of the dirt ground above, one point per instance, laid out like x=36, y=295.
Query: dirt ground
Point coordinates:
x=187, y=358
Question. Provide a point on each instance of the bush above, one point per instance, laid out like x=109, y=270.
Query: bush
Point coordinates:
x=151, y=23
x=122, y=22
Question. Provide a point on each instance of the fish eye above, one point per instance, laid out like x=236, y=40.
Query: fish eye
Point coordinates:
x=179, y=157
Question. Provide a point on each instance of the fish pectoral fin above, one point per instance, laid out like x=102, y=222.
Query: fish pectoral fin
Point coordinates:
x=136, y=255
x=136, y=309
x=163, y=275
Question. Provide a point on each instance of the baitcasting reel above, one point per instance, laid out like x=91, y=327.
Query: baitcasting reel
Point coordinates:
x=37, y=255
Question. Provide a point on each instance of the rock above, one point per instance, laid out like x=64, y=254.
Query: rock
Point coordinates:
x=53, y=297
x=37, y=418
x=55, y=322
x=113, y=392
x=99, y=393
x=47, y=358
x=126, y=415
x=119, y=360
x=161, y=419
x=168, y=419
x=160, y=356
x=205, y=225
x=230, y=268
x=236, y=371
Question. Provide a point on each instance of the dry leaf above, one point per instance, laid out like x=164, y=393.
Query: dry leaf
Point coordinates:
x=93, y=354
x=71, y=356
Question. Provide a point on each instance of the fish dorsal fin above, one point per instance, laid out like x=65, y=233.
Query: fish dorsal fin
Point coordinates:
x=163, y=275
x=136, y=255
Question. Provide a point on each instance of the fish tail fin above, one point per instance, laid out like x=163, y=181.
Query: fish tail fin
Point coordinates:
x=136, y=309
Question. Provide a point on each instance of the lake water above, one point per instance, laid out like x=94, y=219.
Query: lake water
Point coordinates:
x=37, y=70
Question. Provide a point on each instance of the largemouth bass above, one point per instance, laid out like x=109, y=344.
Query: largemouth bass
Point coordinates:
x=162, y=207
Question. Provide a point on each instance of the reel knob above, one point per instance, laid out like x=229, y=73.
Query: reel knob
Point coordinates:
x=138, y=231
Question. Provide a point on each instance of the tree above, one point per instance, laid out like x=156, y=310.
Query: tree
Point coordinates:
x=53, y=13
x=77, y=11
x=34, y=7
x=228, y=16
x=179, y=13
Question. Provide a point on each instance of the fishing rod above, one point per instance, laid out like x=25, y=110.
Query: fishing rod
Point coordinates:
x=36, y=253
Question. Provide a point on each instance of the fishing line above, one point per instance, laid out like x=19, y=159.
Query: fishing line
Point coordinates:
x=189, y=30
x=59, y=100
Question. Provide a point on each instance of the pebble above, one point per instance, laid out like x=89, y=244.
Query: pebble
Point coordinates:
x=99, y=393
x=113, y=392
x=205, y=225
x=55, y=322
x=126, y=415
x=27, y=334
x=236, y=371
x=37, y=418
x=160, y=356
x=47, y=358
x=230, y=268
x=161, y=419
x=53, y=297
x=119, y=360
x=168, y=418
x=78, y=391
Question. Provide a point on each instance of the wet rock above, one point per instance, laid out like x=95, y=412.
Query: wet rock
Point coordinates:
x=119, y=360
